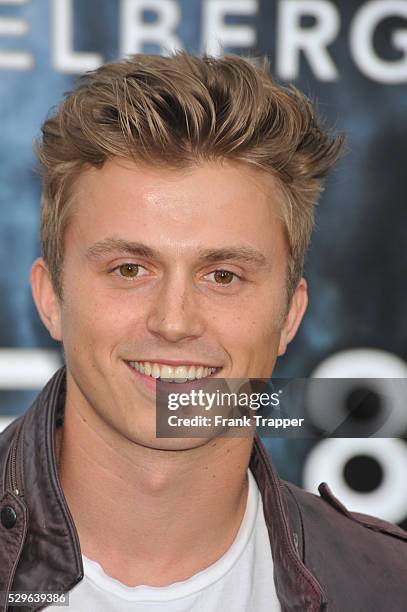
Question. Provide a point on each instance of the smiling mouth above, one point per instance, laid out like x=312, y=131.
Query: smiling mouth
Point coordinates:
x=169, y=373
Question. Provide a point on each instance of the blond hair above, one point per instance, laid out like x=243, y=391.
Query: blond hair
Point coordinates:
x=177, y=111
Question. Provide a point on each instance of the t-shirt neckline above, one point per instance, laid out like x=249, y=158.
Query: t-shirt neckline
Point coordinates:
x=203, y=579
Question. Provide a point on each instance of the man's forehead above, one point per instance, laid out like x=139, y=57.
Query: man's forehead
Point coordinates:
x=230, y=213
x=229, y=174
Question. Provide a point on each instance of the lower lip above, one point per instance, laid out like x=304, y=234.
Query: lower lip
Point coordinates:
x=151, y=382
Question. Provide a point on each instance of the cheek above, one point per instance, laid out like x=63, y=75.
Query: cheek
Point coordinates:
x=263, y=337
x=261, y=334
x=251, y=338
x=95, y=323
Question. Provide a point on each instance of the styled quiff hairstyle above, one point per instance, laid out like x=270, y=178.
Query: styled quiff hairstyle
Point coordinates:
x=179, y=111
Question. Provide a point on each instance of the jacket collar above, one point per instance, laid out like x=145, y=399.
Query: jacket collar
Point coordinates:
x=49, y=555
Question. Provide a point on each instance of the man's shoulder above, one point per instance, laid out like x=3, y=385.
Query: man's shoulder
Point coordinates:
x=350, y=553
x=356, y=557
x=327, y=512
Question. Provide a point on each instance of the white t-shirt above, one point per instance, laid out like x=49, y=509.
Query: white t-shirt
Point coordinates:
x=241, y=580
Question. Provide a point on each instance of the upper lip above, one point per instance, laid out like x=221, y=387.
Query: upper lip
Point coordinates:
x=175, y=362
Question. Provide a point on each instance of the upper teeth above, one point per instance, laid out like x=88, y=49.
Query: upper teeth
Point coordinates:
x=180, y=373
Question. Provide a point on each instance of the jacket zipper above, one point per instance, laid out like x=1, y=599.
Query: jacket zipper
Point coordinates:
x=15, y=459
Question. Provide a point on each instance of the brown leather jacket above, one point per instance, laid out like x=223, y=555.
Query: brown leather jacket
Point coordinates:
x=325, y=557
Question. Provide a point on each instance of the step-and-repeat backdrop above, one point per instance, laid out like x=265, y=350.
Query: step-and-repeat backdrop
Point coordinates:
x=349, y=56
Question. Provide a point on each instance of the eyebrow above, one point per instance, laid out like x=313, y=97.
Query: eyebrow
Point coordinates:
x=108, y=246
x=241, y=254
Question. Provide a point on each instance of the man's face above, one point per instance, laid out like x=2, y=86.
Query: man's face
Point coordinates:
x=178, y=268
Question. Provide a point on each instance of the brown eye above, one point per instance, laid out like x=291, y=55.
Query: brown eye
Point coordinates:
x=223, y=277
x=129, y=270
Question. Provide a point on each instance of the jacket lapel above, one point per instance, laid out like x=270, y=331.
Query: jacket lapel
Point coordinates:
x=50, y=559
x=296, y=587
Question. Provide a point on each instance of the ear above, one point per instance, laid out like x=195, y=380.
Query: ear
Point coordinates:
x=294, y=317
x=45, y=298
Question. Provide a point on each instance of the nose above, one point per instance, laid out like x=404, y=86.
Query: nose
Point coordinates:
x=176, y=314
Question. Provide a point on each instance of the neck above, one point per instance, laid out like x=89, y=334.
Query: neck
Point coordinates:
x=152, y=516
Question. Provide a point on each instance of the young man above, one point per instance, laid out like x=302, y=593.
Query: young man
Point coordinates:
x=177, y=207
